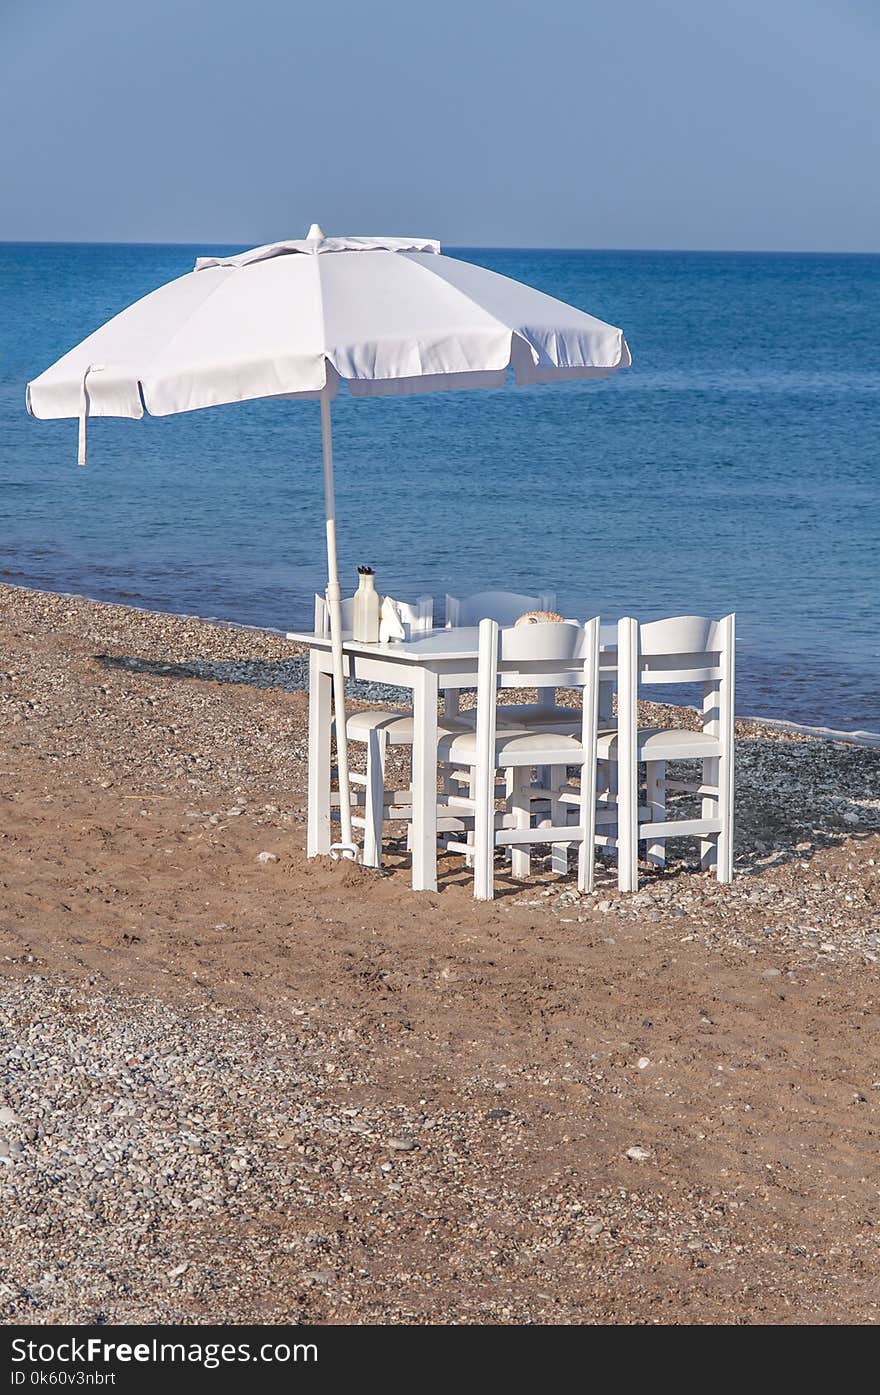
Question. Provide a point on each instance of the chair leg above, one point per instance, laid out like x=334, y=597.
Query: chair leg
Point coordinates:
x=709, y=846
x=484, y=834
x=656, y=801
x=520, y=861
x=627, y=824
x=409, y=824
x=725, y=813
x=472, y=794
x=587, y=821
x=605, y=788
x=374, y=809
x=559, y=851
x=509, y=788
x=612, y=793
x=627, y=755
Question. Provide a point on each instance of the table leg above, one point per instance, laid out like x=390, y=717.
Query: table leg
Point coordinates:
x=424, y=781
x=320, y=686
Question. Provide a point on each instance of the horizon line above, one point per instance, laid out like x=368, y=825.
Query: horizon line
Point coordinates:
x=464, y=247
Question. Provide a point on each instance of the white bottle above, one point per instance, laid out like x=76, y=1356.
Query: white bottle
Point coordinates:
x=367, y=605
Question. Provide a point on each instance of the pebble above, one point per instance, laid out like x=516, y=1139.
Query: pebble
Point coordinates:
x=128, y=1151
x=637, y=1154
x=644, y=1062
x=267, y=857
x=8, y=1116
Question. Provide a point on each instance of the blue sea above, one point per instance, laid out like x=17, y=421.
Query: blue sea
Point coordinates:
x=735, y=466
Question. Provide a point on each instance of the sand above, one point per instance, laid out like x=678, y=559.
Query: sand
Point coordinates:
x=660, y=1108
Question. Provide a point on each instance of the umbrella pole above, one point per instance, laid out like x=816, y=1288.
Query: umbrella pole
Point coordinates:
x=346, y=847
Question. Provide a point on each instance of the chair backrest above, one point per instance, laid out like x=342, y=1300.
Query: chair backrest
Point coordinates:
x=546, y=642
x=684, y=649
x=535, y=656
x=505, y=607
x=417, y=617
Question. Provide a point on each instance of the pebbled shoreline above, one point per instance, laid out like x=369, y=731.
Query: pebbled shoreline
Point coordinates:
x=290, y=674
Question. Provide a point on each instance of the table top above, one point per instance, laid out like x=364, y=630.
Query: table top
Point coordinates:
x=459, y=643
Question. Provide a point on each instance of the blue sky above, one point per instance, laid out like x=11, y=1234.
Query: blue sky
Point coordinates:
x=690, y=123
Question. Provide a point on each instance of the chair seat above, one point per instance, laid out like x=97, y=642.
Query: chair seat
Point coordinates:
x=655, y=743
x=511, y=748
x=546, y=718
x=524, y=716
x=397, y=726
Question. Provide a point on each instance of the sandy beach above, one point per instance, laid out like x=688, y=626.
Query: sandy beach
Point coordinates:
x=240, y=1089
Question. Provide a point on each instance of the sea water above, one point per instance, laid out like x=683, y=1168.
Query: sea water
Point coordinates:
x=735, y=466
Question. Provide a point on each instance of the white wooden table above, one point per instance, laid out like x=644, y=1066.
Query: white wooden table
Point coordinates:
x=426, y=666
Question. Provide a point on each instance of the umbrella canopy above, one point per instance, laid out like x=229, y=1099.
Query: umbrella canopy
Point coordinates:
x=293, y=320
x=387, y=315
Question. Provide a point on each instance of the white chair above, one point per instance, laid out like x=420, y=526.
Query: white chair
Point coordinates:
x=503, y=606
x=506, y=607
x=686, y=649
x=565, y=655
x=377, y=729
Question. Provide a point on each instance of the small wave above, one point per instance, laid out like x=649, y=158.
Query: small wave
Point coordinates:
x=853, y=738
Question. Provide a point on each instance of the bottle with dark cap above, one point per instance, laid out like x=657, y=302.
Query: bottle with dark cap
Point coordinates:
x=367, y=605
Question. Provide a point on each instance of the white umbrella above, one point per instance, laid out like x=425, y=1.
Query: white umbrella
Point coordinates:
x=291, y=319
